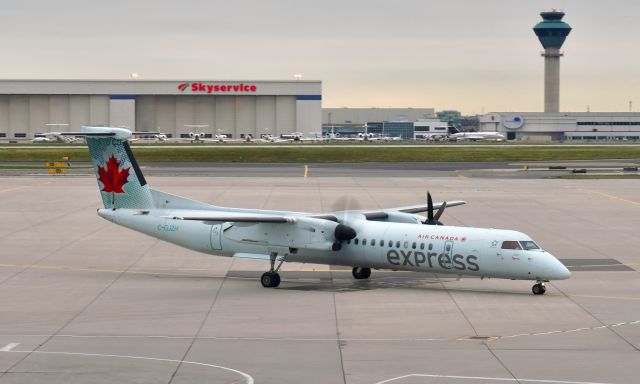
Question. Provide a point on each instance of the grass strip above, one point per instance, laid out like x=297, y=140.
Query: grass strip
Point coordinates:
x=337, y=154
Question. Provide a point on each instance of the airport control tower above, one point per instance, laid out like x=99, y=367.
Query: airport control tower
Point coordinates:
x=552, y=32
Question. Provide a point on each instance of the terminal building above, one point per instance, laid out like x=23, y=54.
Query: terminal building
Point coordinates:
x=541, y=126
x=232, y=108
x=345, y=116
x=405, y=123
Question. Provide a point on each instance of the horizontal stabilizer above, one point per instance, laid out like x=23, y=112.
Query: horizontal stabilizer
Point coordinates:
x=89, y=134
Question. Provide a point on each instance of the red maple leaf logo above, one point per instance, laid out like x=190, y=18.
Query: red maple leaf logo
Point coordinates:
x=113, y=179
x=183, y=86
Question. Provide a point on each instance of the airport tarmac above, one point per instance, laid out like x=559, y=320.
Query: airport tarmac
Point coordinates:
x=531, y=169
x=85, y=301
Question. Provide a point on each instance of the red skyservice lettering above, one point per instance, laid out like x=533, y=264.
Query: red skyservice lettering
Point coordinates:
x=211, y=88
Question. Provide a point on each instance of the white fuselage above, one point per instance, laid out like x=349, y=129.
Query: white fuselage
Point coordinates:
x=382, y=245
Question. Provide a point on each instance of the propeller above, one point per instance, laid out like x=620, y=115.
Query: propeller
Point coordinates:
x=344, y=232
x=431, y=218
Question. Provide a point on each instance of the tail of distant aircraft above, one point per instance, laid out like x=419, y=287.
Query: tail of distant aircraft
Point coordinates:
x=121, y=182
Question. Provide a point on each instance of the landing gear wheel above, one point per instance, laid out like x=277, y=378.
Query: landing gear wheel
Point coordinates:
x=270, y=279
x=361, y=273
x=538, y=289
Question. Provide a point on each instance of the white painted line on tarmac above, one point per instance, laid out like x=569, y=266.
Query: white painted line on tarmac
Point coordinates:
x=247, y=378
x=545, y=333
x=487, y=379
x=618, y=324
x=9, y=347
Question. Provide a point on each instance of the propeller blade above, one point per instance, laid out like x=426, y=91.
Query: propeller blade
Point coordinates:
x=429, y=208
x=345, y=203
x=440, y=211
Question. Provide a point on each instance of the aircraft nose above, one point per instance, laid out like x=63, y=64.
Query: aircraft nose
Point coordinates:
x=556, y=270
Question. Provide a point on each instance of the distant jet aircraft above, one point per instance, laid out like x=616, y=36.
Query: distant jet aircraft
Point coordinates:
x=392, y=238
x=477, y=136
x=53, y=137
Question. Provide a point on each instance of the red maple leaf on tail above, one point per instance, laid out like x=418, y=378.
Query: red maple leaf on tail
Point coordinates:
x=113, y=179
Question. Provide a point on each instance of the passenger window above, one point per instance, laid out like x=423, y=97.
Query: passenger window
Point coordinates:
x=430, y=246
x=355, y=241
x=510, y=245
x=413, y=245
x=382, y=243
x=421, y=245
x=390, y=243
x=349, y=241
x=364, y=241
x=373, y=242
x=406, y=244
x=397, y=244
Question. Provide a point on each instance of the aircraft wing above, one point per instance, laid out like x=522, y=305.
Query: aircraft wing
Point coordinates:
x=377, y=214
x=237, y=218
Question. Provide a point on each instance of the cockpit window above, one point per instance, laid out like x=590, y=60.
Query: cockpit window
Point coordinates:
x=529, y=245
x=510, y=245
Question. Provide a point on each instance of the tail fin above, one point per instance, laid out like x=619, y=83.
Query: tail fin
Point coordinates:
x=113, y=162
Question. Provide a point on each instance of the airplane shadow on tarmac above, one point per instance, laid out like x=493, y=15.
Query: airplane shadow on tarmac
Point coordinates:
x=345, y=285
x=341, y=282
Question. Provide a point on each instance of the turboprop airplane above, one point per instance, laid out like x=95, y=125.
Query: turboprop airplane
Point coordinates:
x=393, y=238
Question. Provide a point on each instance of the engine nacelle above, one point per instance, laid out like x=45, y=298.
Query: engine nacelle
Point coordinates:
x=344, y=232
x=401, y=217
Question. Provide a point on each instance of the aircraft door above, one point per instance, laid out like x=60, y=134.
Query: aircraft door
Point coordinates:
x=447, y=255
x=216, y=237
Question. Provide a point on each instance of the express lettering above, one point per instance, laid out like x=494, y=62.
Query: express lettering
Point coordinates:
x=217, y=88
x=444, y=261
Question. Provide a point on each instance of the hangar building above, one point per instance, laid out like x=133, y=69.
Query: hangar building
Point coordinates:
x=234, y=108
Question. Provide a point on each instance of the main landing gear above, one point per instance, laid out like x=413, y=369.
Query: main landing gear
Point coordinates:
x=360, y=273
x=539, y=288
x=271, y=279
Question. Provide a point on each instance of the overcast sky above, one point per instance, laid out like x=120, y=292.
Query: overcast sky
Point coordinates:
x=470, y=55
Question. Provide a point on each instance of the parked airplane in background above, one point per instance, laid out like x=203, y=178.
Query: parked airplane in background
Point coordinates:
x=161, y=137
x=149, y=137
x=393, y=238
x=200, y=137
x=53, y=137
x=299, y=137
x=267, y=138
x=477, y=136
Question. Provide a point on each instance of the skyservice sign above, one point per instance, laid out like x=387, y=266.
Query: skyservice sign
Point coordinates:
x=217, y=88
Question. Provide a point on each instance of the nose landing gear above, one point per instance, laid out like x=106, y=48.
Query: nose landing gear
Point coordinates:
x=539, y=288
